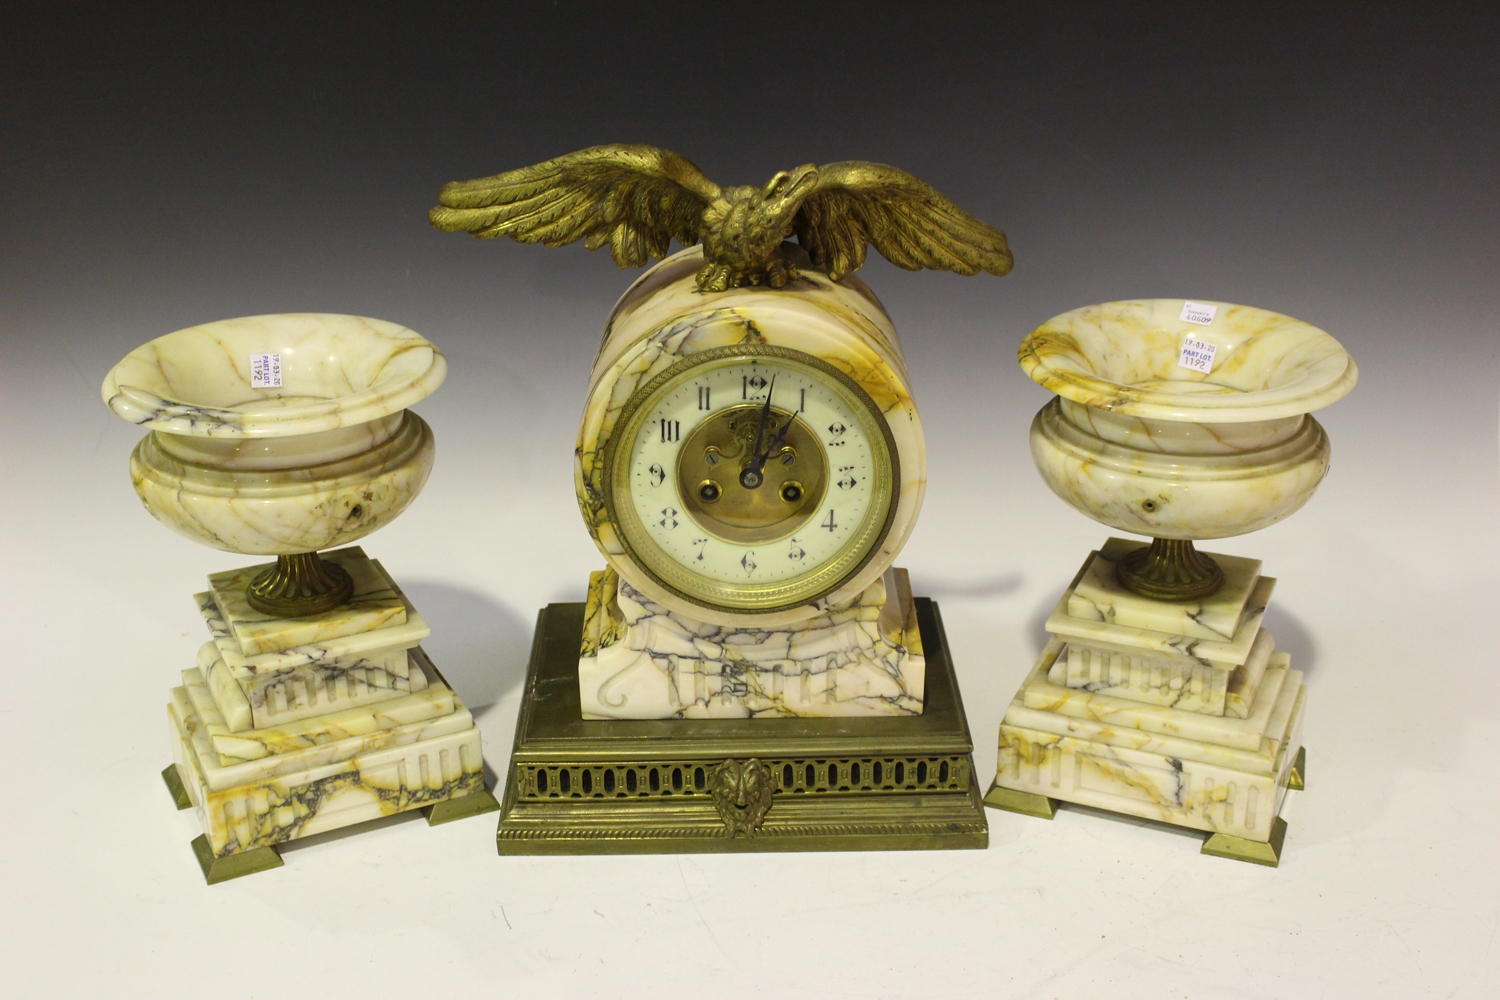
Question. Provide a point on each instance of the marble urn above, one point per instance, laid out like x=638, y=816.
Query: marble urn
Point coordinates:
x=1159, y=694
x=312, y=706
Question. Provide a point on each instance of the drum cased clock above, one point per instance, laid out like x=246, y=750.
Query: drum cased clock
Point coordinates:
x=749, y=672
x=750, y=463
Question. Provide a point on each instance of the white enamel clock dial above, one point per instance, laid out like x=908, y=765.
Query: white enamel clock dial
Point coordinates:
x=751, y=478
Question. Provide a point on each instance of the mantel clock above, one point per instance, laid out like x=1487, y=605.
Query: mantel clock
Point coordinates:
x=750, y=671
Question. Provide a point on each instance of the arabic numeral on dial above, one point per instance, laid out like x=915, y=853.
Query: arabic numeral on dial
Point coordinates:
x=702, y=544
x=670, y=429
x=797, y=553
x=751, y=386
x=829, y=523
x=748, y=561
x=847, y=481
x=658, y=475
x=703, y=397
x=668, y=518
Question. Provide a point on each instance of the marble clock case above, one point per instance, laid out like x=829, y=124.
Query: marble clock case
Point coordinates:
x=830, y=725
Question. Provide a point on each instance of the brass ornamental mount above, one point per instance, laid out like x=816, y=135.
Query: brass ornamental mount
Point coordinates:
x=1170, y=569
x=639, y=198
x=299, y=585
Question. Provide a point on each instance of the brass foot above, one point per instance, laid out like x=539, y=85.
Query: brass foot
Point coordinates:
x=233, y=865
x=1025, y=803
x=1222, y=845
x=1297, y=779
x=174, y=785
x=473, y=804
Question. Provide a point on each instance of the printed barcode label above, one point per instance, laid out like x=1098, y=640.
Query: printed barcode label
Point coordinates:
x=265, y=371
x=1197, y=355
x=1197, y=312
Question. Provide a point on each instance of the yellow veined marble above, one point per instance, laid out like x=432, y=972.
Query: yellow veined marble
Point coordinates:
x=1100, y=596
x=337, y=371
x=433, y=701
x=1141, y=443
x=664, y=317
x=320, y=458
x=643, y=661
x=1122, y=357
x=374, y=604
x=247, y=804
x=1157, y=678
x=274, y=512
x=1233, y=653
x=1158, y=773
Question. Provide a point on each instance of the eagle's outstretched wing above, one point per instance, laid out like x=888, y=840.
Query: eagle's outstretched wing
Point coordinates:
x=855, y=203
x=635, y=198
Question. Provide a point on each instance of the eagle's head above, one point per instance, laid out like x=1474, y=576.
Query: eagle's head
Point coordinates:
x=744, y=227
x=782, y=196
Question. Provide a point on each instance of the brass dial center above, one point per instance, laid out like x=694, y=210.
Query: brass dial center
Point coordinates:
x=731, y=498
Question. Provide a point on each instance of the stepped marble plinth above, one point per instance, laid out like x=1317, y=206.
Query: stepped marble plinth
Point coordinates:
x=1200, y=727
x=325, y=667
x=348, y=722
x=640, y=660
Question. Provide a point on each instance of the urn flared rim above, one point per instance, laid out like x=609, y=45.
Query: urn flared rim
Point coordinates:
x=336, y=371
x=1123, y=357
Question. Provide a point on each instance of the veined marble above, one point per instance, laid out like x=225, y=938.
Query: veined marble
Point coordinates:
x=644, y=661
x=1144, y=445
x=309, y=680
x=374, y=604
x=285, y=511
x=1099, y=596
x=1175, y=778
x=1180, y=682
x=392, y=637
x=1175, y=494
x=269, y=702
x=244, y=804
x=1233, y=653
x=1122, y=357
x=664, y=317
x=1040, y=693
x=1283, y=707
x=251, y=744
x=337, y=372
x=321, y=460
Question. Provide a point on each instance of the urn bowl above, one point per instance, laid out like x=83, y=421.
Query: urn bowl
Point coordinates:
x=1141, y=443
x=321, y=459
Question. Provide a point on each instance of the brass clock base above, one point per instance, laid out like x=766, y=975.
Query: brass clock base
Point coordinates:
x=581, y=786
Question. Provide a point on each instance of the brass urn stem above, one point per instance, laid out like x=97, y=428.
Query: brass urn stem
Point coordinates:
x=299, y=585
x=1170, y=569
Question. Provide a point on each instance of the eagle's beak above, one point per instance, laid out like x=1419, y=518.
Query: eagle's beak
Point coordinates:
x=792, y=184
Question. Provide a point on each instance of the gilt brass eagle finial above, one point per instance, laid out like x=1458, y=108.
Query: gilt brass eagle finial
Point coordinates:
x=639, y=198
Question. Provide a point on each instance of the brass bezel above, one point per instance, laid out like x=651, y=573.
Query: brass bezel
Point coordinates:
x=767, y=598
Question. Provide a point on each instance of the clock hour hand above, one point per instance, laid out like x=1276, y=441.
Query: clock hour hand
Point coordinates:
x=776, y=442
x=751, y=478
